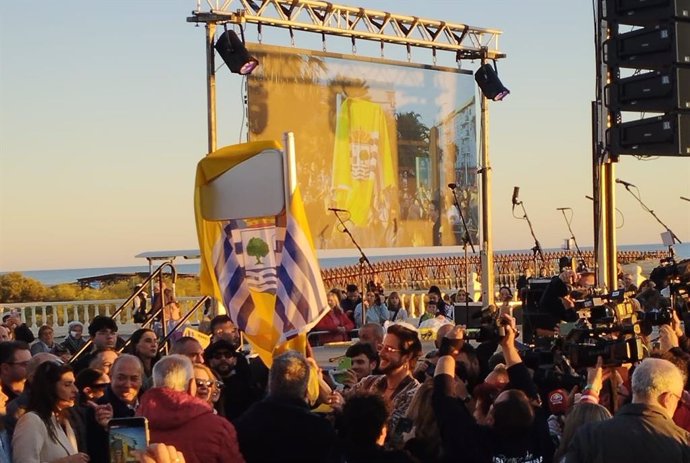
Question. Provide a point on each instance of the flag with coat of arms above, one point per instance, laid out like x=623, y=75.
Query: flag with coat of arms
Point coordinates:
x=264, y=269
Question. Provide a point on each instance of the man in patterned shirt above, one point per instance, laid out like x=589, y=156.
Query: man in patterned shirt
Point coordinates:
x=398, y=355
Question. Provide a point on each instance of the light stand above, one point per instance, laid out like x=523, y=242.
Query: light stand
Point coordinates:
x=466, y=238
x=583, y=263
x=362, y=260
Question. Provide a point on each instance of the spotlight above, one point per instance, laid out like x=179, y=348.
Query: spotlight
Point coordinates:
x=234, y=53
x=490, y=84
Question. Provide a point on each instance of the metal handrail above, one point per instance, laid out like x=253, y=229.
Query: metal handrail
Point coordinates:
x=156, y=273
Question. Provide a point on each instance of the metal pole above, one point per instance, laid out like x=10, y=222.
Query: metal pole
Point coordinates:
x=211, y=85
x=487, y=239
x=608, y=184
x=604, y=195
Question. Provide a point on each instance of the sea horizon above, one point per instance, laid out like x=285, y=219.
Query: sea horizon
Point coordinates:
x=71, y=275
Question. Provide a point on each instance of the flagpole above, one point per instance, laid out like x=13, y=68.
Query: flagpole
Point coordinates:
x=289, y=168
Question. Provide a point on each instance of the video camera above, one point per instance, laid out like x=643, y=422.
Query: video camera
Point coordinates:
x=608, y=328
x=673, y=274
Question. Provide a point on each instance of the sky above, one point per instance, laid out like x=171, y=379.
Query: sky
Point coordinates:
x=103, y=119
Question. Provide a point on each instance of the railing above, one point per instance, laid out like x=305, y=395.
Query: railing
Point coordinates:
x=449, y=272
x=410, y=277
x=59, y=314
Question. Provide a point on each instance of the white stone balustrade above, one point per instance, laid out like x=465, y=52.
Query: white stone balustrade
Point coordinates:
x=59, y=314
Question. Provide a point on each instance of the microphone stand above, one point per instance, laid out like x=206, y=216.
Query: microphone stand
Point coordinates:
x=674, y=238
x=362, y=260
x=466, y=238
x=537, y=247
x=572, y=236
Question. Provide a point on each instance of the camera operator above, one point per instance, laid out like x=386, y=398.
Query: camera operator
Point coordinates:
x=517, y=430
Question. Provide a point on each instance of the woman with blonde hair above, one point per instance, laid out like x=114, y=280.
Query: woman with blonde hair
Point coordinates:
x=208, y=387
x=578, y=416
x=423, y=438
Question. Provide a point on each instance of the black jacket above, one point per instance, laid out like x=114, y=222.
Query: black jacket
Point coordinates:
x=283, y=430
x=97, y=436
x=638, y=433
x=466, y=441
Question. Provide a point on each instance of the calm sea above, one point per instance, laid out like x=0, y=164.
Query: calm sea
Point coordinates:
x=52, y=277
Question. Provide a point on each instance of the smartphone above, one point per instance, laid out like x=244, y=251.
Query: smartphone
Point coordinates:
x=345, y=363
x=126, y=436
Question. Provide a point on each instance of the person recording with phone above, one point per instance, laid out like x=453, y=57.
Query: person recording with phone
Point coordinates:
x=517, y=430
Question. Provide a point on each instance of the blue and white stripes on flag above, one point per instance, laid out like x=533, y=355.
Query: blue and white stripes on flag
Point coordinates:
x=263, y=270
x=301, y=297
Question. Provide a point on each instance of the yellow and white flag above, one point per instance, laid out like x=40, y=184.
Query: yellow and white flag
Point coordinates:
x=262, y=269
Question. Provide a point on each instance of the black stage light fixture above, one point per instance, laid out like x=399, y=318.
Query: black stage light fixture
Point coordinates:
x=235, y=54
x=490, y=84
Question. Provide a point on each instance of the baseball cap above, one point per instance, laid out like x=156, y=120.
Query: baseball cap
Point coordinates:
x=558, y=402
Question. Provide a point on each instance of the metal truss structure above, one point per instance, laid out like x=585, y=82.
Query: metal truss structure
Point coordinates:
x=468, y=42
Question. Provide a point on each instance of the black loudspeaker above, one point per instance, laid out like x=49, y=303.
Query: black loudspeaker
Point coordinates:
x=536, y=289
x=658, y=91
x=471, y=318
x=646, y=12
x=667, y=135
x=652, y=47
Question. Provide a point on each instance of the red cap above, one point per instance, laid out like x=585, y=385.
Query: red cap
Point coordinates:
x=558, y=401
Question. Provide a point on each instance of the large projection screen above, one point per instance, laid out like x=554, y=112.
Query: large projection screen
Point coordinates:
x=380, y=139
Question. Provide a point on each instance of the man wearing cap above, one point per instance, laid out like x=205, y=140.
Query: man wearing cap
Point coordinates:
x=558, y=403
x=232, y=367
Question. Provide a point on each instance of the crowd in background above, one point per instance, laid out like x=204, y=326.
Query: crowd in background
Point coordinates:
x=388, y=401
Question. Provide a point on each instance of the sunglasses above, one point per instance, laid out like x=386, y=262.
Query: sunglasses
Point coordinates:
x=204, y=382
x=386, y=348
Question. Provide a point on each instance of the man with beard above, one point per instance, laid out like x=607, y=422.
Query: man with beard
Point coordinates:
x=233, y=369
x=518, y=432
x=398, y=354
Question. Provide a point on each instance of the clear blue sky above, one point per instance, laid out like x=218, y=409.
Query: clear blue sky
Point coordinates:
x=103, y=119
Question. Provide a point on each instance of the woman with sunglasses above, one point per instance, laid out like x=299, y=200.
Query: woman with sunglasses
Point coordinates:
x=208, y=387
x=91, y=384
x=44, y=433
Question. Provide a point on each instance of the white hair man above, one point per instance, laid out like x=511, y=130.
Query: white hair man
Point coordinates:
x=281, y=428
x=176, y=417
x=643, y=430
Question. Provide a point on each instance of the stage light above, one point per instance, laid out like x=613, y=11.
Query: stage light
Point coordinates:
x=490, y=84
x=234, y=53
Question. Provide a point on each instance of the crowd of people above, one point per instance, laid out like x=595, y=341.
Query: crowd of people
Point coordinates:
x=463, y=401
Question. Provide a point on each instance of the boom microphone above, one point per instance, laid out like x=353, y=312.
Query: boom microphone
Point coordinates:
x=624, y=183
x=562, y=208
x=335, y=209
x=516, y=190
